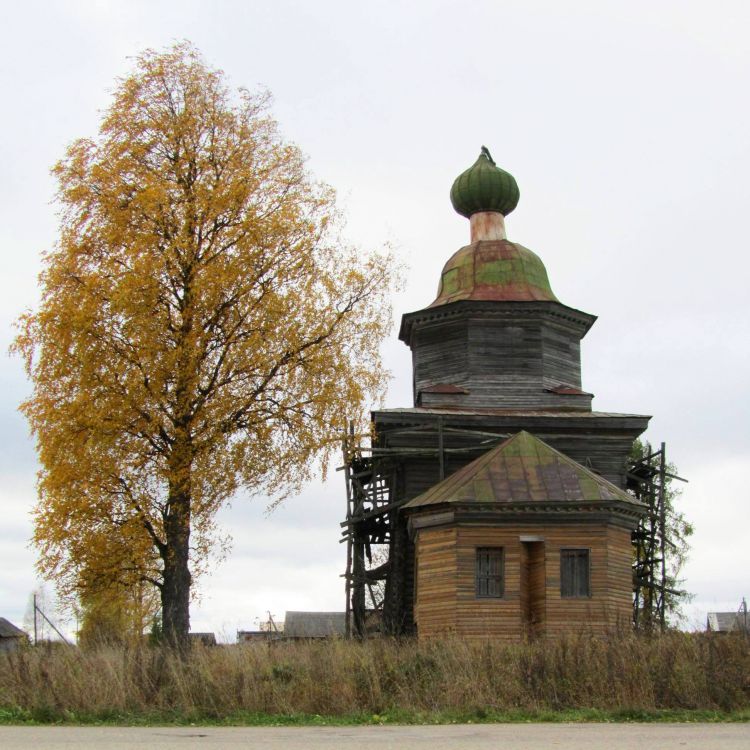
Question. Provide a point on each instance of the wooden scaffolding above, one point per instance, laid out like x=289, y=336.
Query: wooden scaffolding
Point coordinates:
x=369, y=480
x=372, y=520
x=648, y=480
x=373, y=499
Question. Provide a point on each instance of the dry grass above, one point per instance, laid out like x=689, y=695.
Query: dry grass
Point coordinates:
x=339, y=678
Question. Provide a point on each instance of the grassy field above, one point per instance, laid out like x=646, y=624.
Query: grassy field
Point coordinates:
x=675, y=677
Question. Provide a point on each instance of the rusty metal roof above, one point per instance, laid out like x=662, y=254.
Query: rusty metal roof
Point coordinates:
x=494, y=270
x=522, y=469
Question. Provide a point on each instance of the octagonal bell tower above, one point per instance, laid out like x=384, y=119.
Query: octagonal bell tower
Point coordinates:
x=496, y=336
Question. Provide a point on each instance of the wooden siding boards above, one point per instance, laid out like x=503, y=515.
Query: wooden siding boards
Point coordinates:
x=504, y=355
x=441, y=355
x=435, y=608
x=561, y=356
x=600, y=441
x=620, y=583
x=494, y=348
x=533, y=587
x=506, y=361
x=446, y=597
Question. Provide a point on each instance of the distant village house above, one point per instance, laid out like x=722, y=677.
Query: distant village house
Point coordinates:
x=11, y=637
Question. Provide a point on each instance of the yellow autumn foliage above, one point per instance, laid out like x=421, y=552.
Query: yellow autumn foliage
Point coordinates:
x=202, y=328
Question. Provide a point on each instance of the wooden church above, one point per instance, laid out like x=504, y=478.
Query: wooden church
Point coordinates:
x=499, y=494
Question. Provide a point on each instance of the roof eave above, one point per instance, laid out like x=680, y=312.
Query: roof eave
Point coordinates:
x=457, y=308
x=503, y=514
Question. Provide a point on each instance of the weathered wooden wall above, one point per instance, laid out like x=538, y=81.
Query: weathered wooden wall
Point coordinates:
x=446, y=601
x=508, y=356
x=533, y=587
x=435, y=588
x=599, y=441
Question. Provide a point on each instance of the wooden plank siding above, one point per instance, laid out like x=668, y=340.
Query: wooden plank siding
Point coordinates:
x=561, y=355
x=620, y=584
x=504, y=357
x=435, y=586
x=599, y=441
x=446, y=600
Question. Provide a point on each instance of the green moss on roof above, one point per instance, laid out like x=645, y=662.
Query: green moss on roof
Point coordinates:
x=522, y=469
x=484, y=187
x=497, y=270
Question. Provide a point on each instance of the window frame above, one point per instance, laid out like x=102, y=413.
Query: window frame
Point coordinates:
x=488, y=577
x=575, y=595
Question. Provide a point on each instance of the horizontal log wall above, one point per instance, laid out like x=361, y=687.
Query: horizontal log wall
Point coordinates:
x=536, y=594
x=561, y=353
x=446, y=600
x=601, y=442
x=498, y=347
x=620, y=585
x=507, y=362
x=435, y=586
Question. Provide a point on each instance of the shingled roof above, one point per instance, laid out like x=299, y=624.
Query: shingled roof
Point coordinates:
x=523, y=469
x=9, y=630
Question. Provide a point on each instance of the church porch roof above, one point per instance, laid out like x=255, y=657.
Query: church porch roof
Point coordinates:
x=523, y=469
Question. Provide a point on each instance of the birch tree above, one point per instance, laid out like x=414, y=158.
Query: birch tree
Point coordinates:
x=202, y=328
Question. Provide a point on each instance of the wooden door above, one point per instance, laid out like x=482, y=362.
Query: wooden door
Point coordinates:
x=533, y=588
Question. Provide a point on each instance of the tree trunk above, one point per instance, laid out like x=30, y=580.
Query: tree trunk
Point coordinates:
x=175, y=592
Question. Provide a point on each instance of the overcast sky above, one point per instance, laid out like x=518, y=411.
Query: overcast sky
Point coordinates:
x=627, y=128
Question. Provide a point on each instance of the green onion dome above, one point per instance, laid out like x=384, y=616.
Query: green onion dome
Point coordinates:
x=484, y=187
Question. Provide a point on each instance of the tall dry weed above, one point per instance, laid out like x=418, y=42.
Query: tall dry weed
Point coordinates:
x=673, y=671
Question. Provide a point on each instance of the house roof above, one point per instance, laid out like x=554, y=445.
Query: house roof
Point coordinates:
x=314, y=624
x=523, y=469
x=724, y=622
x=9, y=630
x=207, y=639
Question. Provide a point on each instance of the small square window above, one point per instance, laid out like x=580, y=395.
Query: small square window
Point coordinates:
x=490, y=573
x=574, y=573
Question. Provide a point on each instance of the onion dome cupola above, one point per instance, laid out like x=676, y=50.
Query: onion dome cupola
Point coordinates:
x=491, y=267
x=496, y=336
x=484, y=187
